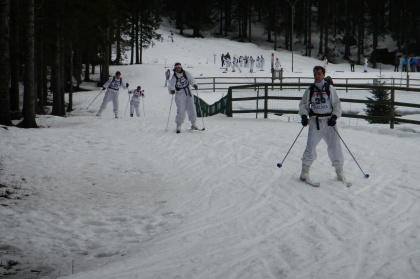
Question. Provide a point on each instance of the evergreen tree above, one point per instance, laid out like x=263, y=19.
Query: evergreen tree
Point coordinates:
x=381, y=107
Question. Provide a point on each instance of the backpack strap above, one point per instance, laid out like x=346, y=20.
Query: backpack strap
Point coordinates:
x=187, y=88
x=326, y=86
x=113, y=78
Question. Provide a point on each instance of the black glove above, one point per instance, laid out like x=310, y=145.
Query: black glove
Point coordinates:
x=195, y=86
x=172, y=91
x=126, y=85
x=332, y=121
x=103, y=88
x=304, y=121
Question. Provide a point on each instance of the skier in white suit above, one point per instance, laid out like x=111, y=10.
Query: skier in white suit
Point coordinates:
x=323, y=108
x=111, y=94
x=135, y=100
x=184, y=98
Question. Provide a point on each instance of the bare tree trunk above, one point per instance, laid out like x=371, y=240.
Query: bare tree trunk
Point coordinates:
x=29, y=90
x=70, y=77
x=118, y=41
x=347, y=41
x=141, y=39
x=137, y=38
x=326, y=29
x=39, y=75
x=321, y=34
x=62, y=75
x=361, y=31
x=87, y=58
x=132, y=40
x=4, y=63
x=250, y=22
x=56, y=70
x=14, y=57
x=309, y=45
x=105, y=58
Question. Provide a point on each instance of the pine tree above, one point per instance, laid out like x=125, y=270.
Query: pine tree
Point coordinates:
x=381, y=107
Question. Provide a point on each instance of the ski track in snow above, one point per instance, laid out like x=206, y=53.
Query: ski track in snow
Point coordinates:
x=207, y=204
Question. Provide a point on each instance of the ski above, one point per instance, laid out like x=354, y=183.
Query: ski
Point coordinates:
x=196, y=129
x=311, y=183
x=346, y=183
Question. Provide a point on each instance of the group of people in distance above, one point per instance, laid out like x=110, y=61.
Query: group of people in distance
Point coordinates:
x=238, y=63
x=319, y=108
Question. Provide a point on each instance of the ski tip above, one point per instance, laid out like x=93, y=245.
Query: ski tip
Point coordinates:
x=279, y=165
x=366, y=176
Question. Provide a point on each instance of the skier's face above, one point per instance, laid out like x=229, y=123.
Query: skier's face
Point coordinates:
x=178, y=69
x=318, y=75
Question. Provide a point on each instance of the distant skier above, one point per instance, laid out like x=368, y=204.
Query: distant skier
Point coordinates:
x=167, y=76
x=135, y=100
x=171, y=36
x=223, y=59
x=235, y=63
x=325, y=63
x=351, y=65
x=184, y=99
x=396, y=63
x=227, y=64
x=277, y=65
x=322, y=105
x=111, y=94
x=365, y=65
x=251, y=64
x=404, y=64
x=262, y=63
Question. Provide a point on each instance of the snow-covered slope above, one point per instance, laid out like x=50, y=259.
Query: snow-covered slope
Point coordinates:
x=123, y=198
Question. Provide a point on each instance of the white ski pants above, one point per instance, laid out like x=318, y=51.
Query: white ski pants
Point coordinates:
x=135, y=106
x=330, y=137
x=184, y=104
x=110, y=95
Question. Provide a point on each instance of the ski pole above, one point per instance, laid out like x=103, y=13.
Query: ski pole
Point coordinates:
x=94, y=99
x=169, y=112
x=201, y=111
x=281, y=164
x=144, y=112
x=364, y=174
x=129, y=97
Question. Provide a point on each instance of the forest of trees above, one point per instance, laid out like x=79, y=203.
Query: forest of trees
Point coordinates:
x=50, y=47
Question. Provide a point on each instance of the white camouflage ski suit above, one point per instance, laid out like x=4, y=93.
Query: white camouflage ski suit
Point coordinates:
x=112, y=85
x=184, y=97
x=322, y=104
x=135, y=101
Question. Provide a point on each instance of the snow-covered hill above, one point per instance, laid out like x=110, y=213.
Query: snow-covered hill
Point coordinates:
x=123, y=198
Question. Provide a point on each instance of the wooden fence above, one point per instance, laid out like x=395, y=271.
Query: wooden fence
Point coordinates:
x=268, y=100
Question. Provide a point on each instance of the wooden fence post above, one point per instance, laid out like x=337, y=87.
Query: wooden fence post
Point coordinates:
x=392, y=112
x=265, y=101
x=229, y=105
